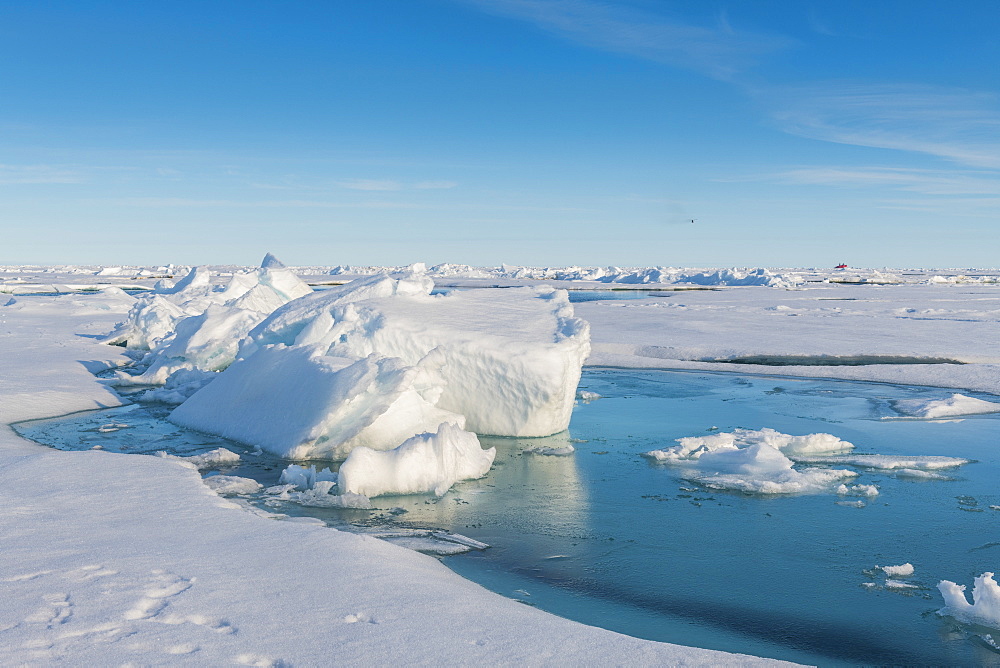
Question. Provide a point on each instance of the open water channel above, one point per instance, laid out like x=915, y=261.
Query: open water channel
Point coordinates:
x=609, y=538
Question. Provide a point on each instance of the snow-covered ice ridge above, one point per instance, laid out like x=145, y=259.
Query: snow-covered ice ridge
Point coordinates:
x=378, y=364
x=29, y=279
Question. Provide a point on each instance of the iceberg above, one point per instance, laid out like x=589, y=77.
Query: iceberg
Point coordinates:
x=298, y=403
x=509, y=360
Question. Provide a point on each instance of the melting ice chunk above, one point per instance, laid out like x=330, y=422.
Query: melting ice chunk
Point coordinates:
x=424, y=463
x=985, y=606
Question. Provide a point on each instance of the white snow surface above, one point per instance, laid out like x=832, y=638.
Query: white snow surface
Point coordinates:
x=116, y=559
x=824, y=324
x=430, y=462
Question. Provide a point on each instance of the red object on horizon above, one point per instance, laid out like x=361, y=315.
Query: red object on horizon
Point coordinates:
x=841, y=266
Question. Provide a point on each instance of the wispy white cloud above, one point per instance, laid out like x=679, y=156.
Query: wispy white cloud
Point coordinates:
x=923, y=181
x=25, y=174
x=370, y=184
x=434, y=185
x=388, y=185
x=955, y=124
x=719, y=52
x=240, y=203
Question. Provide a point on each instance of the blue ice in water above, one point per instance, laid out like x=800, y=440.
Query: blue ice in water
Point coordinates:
x=611, y=539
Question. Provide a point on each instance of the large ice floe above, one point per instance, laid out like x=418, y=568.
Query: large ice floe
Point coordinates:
x=766, y=461
x=953, y=406
x=377, y=371
x=755, y=461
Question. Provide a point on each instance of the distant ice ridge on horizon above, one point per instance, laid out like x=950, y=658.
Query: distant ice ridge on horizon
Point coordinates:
x=633, y=276
x=378, y=365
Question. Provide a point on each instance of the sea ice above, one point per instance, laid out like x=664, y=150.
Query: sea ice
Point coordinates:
x=300, y=404
x=985, y=606
x=303, y=478
x=212, y=459
x=904, y=465
x=857, y=490
x=901, y=571
x=760, y=469
x=694, y=447
x=231, y=485
x=754, y=461
x=431, y=462
x=509, y=360
x=956, y=404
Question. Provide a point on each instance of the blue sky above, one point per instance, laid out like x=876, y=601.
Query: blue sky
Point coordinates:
x=540, y=132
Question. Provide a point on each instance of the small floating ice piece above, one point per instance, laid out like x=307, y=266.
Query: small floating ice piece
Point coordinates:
x=693, y=447
x=857, y=490
x=231, y=485
x=207, y=460
x=586, y=396
x=901, y=571
x=319, y=497
x=956, y=404
x=899, y=584
x=303, y=478
x=110, y=427
x=761, y=469
x=430, y=462
x=460, y=539
x=985, y=606
x=920, y=475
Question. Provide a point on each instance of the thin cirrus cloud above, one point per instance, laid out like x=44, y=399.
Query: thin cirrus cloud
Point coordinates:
x=388, y=186
x=923, y=181
x=957, y=125
x=26, y=174
x=719, y=52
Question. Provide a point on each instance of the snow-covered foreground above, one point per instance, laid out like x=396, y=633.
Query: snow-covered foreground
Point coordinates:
x=112, y=559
